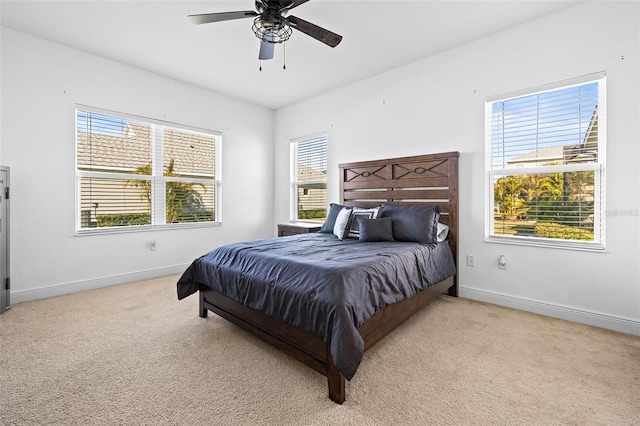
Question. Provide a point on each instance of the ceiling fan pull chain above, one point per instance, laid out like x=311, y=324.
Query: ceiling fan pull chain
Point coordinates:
x=284, y=56
x=260, y=65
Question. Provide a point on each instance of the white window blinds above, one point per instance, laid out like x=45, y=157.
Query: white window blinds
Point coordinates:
x=545, y=165
x=309, y=179
x=134, y=172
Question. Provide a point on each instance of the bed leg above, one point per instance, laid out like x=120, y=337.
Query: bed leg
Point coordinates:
x=453, y=290
x=203, y=310
x=336, y=382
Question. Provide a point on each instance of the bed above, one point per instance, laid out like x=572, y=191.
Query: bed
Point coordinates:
x=325, y=298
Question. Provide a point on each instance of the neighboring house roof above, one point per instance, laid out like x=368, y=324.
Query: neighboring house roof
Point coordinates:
x=192, y=152
x=542, y=155
x=307, y=174
x=591, y=137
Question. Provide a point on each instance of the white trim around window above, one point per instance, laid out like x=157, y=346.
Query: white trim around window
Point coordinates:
x=308, y=179
x=545, y=165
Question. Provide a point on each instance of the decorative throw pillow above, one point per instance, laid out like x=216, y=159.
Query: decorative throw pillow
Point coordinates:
x=376, y=229
x=356, y=213
x=341, y=227
x=329, y=223
x=413, y=223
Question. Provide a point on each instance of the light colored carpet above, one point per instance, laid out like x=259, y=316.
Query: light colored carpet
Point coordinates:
x=133, y=354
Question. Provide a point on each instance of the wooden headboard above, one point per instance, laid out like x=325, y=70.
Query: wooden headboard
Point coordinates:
x=424, y=179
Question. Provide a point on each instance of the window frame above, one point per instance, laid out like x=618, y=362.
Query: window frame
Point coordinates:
x=157, y=179
x=598, y=168
x=294, y=183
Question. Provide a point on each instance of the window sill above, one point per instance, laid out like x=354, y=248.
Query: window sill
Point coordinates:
x=547, y=243
x=144, y=228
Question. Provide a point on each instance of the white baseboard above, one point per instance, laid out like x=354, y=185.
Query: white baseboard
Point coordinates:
x=60, y=289
x=611, y=322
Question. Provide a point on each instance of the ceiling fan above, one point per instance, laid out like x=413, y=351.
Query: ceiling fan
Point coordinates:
x=271, y=25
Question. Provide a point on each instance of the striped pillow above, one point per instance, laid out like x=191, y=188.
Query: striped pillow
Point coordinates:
x=341, y=227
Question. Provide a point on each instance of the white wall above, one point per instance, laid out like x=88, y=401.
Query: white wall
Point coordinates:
x=41, y=84
x=437, y=105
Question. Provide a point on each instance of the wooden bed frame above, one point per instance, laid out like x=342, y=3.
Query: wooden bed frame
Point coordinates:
x=427, y=179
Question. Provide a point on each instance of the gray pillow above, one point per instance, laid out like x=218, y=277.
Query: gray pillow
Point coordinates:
x=376, y=229
x=413, y=223
x=329, y=223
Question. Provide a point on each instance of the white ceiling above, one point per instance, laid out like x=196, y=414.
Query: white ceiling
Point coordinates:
x=377, y=36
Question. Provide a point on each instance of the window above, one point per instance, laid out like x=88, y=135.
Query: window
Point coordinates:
x=134, y=172
x=545, y=165
x=309, y=179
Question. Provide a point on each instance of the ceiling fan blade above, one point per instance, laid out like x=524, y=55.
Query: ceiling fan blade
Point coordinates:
x=266, y=51
x=327, y=37
x=206, y=18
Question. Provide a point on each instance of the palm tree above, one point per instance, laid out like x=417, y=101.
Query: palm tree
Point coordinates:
x=548, y=206
x=509, y=196
x=184, y=201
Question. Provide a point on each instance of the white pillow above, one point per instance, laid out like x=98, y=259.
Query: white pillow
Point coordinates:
x=342, y=221
x=443, y=231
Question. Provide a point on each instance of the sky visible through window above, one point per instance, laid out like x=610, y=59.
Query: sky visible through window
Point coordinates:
x=101, y=124
x=549, y=119
x=312, y=153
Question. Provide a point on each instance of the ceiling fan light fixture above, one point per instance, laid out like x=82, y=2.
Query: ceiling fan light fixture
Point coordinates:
x=271, y=32
x=266, y=51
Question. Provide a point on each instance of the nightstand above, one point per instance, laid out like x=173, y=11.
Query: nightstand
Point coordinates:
x=285, y=229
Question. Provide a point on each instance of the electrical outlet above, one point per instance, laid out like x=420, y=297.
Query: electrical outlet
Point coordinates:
x=502, y=262
x=154, y=245
x=471, y=260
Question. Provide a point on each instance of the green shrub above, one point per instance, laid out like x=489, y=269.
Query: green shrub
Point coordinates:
x=135, y=219
x=556, y=230
x=123, y=219
x=196, y=216
x=312, y=214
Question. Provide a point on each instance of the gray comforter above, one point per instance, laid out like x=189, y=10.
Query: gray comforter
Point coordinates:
x=320, y=284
